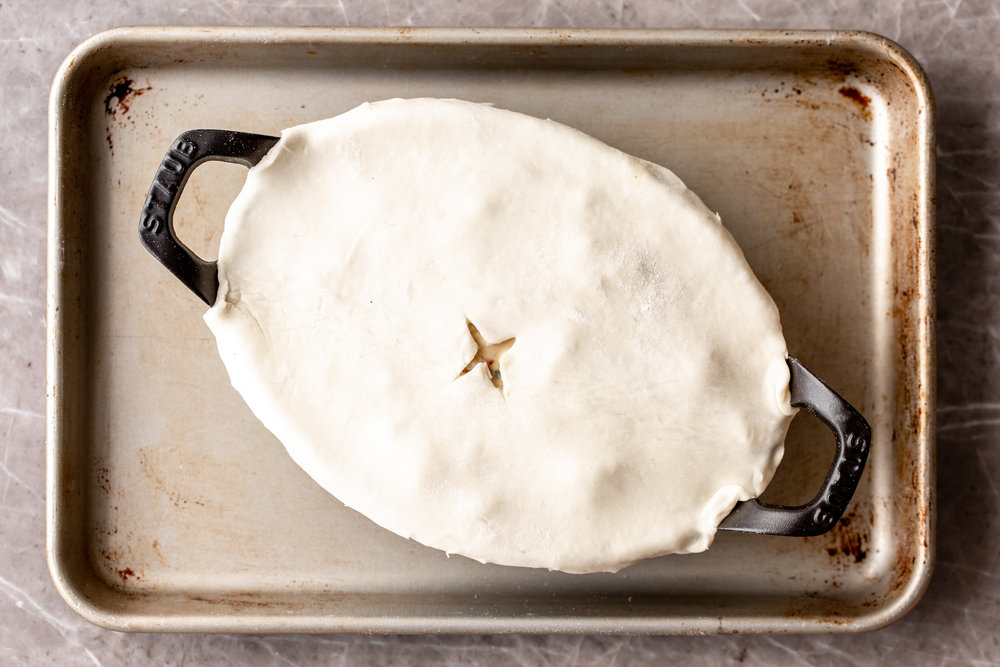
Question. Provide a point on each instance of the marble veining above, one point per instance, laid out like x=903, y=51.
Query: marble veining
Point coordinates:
x=958, y=43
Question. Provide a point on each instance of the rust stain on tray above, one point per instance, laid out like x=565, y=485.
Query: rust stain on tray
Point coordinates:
x=851, y=540
x=842, y=68
x=859, y=98
x=120, y=96
x=152, y=469
x=113, y=558
x=118, y=101
x=852, y=93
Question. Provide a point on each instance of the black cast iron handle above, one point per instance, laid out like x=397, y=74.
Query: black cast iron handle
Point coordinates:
x=819, y=515
x=156, y=226
x=156, y=229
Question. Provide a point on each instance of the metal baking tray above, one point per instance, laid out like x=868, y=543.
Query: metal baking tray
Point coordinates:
x=171, y=508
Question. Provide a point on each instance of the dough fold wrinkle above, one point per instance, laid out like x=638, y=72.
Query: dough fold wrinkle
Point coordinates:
x=645, y=392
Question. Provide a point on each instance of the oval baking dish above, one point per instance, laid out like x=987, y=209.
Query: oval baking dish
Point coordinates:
x=851, y=430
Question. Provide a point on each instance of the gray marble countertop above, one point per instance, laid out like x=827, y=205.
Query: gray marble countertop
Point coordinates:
x=957, y=42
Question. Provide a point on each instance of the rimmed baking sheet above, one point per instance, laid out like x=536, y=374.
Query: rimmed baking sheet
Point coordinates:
x=169, y=506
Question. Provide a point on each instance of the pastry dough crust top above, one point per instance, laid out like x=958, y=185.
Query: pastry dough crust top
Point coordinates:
x=646, y=389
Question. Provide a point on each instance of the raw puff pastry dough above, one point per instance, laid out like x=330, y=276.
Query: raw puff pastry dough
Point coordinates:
x=646, y=389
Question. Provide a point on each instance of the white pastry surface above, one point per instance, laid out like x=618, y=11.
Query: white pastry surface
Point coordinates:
x=645, y=390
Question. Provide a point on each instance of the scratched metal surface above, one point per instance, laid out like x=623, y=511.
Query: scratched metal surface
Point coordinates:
x=172, y=508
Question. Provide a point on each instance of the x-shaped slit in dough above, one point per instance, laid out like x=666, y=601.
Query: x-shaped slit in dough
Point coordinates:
x=488, y=354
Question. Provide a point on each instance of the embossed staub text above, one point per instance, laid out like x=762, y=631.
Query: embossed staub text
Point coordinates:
x=167, y=182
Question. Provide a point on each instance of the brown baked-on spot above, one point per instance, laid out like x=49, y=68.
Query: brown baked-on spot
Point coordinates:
x=852, y=93
x=852, y=541
x=842, y=68
x=120, y=96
